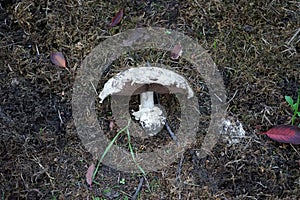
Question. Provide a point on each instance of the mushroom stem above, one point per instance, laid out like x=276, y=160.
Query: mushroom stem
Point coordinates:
x=147, y=100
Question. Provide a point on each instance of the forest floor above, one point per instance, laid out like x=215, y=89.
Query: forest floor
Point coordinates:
x=255, y=45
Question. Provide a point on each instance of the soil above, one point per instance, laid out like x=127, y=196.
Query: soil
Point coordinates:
x=255, y=45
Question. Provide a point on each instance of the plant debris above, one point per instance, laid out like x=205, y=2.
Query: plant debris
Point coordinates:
x=89, y=174
x=117, y=19
x=58, y=58
x=176, y=52
x=285, y=133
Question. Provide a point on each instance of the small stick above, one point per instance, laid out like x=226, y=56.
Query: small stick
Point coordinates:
x=293, y=37
x=59, y=116
x=232, y=97
x=94, y=88
x=134, y=197
x=178, y=174
x=295, y=149
x=37, y=50
x=173, y=136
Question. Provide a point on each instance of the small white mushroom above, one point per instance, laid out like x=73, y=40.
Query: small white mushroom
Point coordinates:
x=151, y=116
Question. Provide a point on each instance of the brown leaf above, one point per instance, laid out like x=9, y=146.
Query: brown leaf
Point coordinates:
x=117, y=19
x=89, y=174
x=176, y=52
x=58, y=59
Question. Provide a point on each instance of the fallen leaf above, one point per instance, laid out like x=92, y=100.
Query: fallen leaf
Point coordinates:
x=176, y=52
x=116, y=20
x=89, y=174
x=57, y=58
x=111, y=125
x=285, y=134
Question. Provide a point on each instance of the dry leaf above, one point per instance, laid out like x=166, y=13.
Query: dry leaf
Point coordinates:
x=285, y=133
x=89, y=174
x=176, y=52
x=116, y=20
x=111, y=125
x=58, y=59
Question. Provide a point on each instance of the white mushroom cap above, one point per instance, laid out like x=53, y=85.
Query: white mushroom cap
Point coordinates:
x=145, y=75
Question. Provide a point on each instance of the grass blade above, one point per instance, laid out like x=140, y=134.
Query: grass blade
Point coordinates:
x=132, y=154
x=109, y=147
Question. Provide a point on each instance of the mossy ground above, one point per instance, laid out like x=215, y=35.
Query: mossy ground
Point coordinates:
x=253, y=43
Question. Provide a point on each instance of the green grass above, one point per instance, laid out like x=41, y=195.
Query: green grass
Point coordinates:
x=295, y=106
x=109, y=147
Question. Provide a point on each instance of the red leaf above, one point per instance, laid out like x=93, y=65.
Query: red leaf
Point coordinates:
x=58, y=59
x=89, y=174
x=116, y=20
x=176, y=52
x=285, y=134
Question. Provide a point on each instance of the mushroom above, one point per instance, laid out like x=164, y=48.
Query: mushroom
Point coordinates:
x=145, y=81
x=151, y=117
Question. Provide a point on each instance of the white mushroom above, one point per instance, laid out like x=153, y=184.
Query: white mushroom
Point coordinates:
x=151, y=116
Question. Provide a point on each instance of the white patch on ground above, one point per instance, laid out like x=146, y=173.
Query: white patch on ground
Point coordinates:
x=233, y=131
x=144, y=75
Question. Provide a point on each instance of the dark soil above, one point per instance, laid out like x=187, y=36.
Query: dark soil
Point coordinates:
x=254, y=44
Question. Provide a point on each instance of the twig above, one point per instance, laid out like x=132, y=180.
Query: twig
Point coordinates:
x=218, y=98
x=37, y=50
x=178, y=173
x=59, y=116
x=232, y=97
x=94, y=88
x=8, y=45
x=9, y=67
x=292, y=38
x=134, y=197
x=173, y=136
x=47, y=8
x=37, y=191
x=295, y=149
